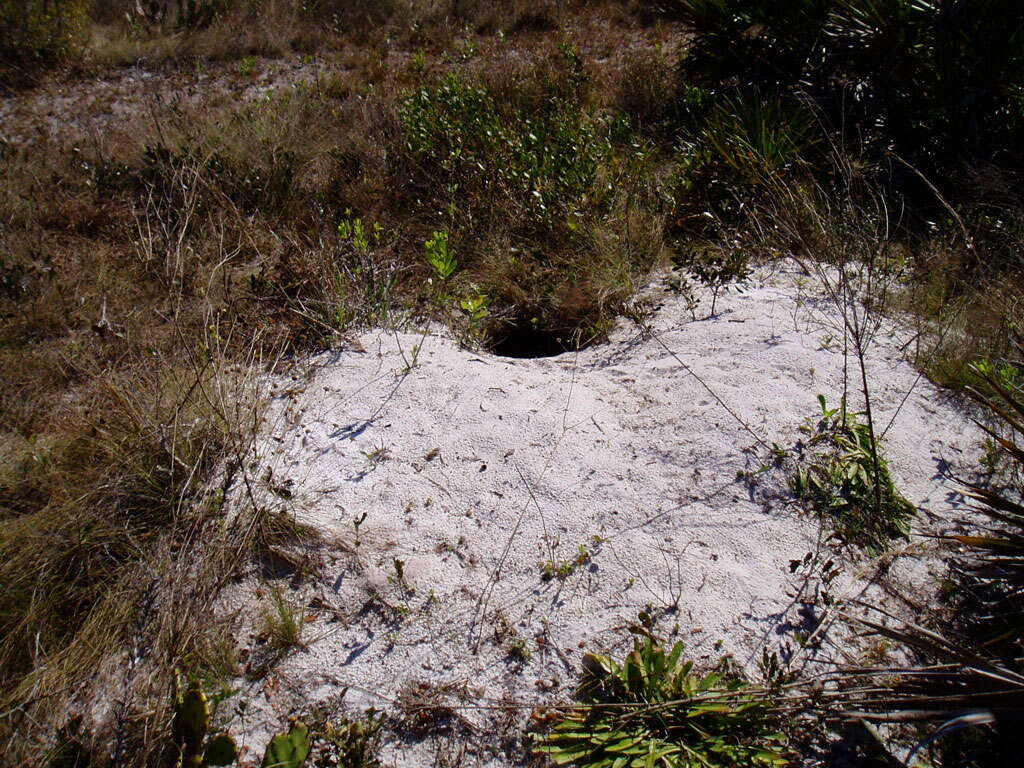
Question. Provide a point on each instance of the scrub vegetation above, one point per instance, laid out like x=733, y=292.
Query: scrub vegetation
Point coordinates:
x=516, y=171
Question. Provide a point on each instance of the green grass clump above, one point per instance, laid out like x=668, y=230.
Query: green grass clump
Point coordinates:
x=654, y=710
x=841, y=484
x=751, y=134
x=283, y=621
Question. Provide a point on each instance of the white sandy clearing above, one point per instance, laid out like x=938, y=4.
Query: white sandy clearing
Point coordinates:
x=475, y=470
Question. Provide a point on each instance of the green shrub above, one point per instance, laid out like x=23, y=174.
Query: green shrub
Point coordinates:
x=653, y=710
x=540, y=197
x=864, y=508
x=41, y=30
x=542, y=163
x=939, y=80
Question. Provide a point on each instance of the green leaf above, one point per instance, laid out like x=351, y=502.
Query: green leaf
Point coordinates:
x=623, y=745
x=673, y=658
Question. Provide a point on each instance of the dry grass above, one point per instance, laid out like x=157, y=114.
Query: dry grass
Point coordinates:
x=271, y=29
x=130, y=384
x=645, y=90
x=148, y=279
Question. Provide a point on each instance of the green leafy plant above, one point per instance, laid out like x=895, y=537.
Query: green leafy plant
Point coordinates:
x=840, y=483
x=440, y=256
x=191, y=744
x=541, y=161
x=557, y=569
x=476, y=307
x=563, y=569
x=519, y=651
x=654, y=710
x=366, y=274
x=247, y=67
x=419, y=62
x=354, y=231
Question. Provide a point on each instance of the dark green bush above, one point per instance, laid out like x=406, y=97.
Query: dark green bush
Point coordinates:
x=544, y=198
x=459, y=139
x=41, y=30
x=936, y=80
x=182, y=14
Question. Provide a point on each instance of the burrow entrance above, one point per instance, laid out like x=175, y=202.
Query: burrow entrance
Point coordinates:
x=525, y=341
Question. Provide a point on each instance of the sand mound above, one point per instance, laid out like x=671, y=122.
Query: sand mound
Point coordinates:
x=537, y=506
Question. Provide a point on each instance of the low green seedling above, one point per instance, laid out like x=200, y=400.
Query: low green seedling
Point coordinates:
x=351, y=743
x=440, y=256
x=248, y=65
x=519, y=651
x=563, y=569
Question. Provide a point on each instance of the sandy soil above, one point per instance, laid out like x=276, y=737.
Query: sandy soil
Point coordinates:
x=619, y=464
x=115, y=102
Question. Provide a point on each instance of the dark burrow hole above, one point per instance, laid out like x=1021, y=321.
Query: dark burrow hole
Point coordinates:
x=524, y=341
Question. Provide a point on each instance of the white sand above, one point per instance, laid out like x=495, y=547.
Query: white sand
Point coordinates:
x=474, y=470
